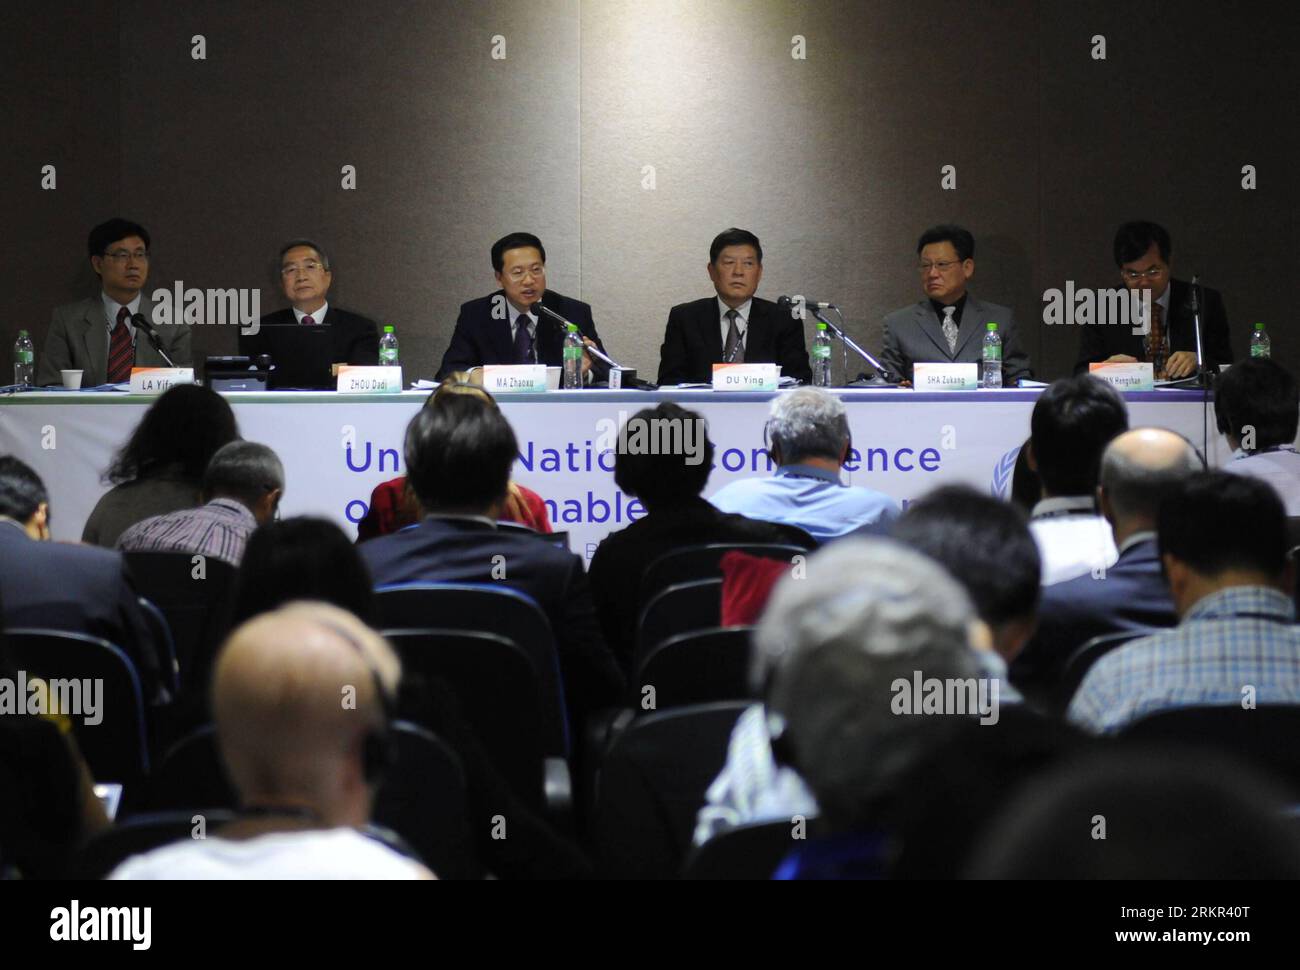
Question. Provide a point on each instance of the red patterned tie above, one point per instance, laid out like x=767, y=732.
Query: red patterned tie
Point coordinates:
x=121, y=353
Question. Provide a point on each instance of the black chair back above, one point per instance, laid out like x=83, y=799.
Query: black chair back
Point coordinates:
x=115, y=748
x=1080, y=662
x=161, y=634
x=703, y=562
x=681, y=608
x=695, y=668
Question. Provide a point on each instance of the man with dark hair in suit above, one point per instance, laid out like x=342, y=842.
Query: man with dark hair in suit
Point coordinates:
x=948, y=326
x=97, y=335
x=735, y=326
x=1144, y=255
x=459, y=452
x=1257, y=406
x=61, y=586
x=305, y=277
x=504, y=328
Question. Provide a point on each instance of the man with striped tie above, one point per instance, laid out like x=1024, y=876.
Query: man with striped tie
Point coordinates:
x=97, y=335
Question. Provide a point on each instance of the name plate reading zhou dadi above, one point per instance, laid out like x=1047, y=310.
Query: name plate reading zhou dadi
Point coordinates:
x=354, y=379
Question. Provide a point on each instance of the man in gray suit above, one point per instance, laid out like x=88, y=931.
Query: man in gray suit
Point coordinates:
x=96, y=335
x=948, y=326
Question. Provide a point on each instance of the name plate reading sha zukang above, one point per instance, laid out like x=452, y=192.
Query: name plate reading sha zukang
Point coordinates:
x=355, y=379
x=745, y=377
x=1125, y=377
x=508, y=378
x=945, y=377
x=155, y=380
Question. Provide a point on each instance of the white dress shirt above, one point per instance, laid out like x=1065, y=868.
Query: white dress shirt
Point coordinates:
x=742, y=321
x=1072, y=538
x=317, y=316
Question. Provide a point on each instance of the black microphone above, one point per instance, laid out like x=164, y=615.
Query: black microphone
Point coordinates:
x=139, y=320
x=624, y=373
x=811, y=304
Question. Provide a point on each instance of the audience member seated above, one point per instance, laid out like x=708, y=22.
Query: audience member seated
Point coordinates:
x=60, y=586
x=809, y=443
x=1257, y=405
x=1145, y=815
x=1138, y=470
x=242, y=486
x=1073, y=420
x=393, y=505
x=1026, y=489
x=305, y=765
x=669, y=483
x=986, y=546
x=1223, y=546
x=160, y=468
x=459, y=453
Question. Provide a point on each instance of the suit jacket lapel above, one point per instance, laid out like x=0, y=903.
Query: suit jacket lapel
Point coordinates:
x=929, y=324
x=972, y=322
x=94, y=335
x=499, y=329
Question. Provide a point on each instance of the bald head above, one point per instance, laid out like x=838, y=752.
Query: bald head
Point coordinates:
x=294, y=697
x=1138, y=469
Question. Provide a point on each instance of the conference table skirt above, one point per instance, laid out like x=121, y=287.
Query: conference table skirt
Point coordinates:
x=337, y=447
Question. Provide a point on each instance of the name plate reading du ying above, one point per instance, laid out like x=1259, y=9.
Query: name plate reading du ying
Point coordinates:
x=507, y=378
x=1125, y=377
x=945, y=377
x=745, y=377
x=355, y=379
x=155, y=380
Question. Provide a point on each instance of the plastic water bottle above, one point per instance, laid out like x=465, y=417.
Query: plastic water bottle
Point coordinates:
x=821, y=357
x=573, y=352
x=388, y=347
x=24, y=359
x=1259, y=342
x=992, y=357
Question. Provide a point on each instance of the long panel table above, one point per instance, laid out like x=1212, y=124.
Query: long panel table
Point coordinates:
x=336, y=448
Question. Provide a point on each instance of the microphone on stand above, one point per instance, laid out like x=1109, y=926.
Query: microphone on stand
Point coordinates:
x=138, y=319
x=619, y=376
x=883, y=372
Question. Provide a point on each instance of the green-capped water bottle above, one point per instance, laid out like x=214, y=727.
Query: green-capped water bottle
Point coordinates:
x=388, y=347
x=821, y=357
x=1260, y=346
x=992, y=357
x=572, y=358
x=24, y=359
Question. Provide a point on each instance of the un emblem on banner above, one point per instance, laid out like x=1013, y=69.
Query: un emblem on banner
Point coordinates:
x=1002, y=473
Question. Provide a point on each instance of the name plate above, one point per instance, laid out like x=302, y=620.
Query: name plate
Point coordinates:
x=508, y=378
x=745, y=377
x=1125, y=377
x=355, y=379
x=945, y=377
x=155, y=380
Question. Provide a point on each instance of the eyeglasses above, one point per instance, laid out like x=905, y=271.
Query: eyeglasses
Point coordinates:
x=121, y=255
x=1137, y=274
x=519, y=272
x=292, y=269
x=942, y=265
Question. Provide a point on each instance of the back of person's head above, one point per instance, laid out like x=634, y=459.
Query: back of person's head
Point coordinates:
x=1214, y=522
x=1143, y=814
x=985, y=544
x=453, y=385
x=181, y=431
x=663, y=455
x=459, y=453
x=302, y=558
x=1257, y=403
x=245, y=471
x=301, y=698
x=832, y=647
x=1139, y=468
x=1133, y=239
x=807, y=423
x=1026, y=486
x=1073, y=421
x=22, y=492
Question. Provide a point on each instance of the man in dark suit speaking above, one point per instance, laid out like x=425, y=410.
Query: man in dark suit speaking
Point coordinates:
x=948, y=326
x=1143, y=253
x=735, y=326
x=503, y=327
x=305, y=277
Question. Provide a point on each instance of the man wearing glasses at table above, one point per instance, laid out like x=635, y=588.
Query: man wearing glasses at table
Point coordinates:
x=1142, y=253
x=97, y=335
x=503, y=327
x=948, y=326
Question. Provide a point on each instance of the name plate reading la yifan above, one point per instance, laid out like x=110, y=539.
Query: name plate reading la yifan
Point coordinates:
x=355, y=379
x=1125, y=377
x=155, y=380
x=745, y=377
x=945, y=377
x=511, y=378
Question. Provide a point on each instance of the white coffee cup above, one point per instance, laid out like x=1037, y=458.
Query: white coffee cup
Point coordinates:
x=553, y=378
x=71, y=379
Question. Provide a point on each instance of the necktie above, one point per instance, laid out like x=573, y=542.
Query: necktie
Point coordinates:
x=523, y=340
x=1156, y=347
x=308, y=321
x=950, y=328
x=734, y=352
x=121, y=354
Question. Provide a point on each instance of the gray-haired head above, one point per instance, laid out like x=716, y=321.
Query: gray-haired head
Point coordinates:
x=1142, y=466
x=310, y=244
x=245, y=471
x=807, y=423
x=831, y=646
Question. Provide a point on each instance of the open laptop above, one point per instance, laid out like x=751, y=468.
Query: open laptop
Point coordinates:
x=302, y=356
